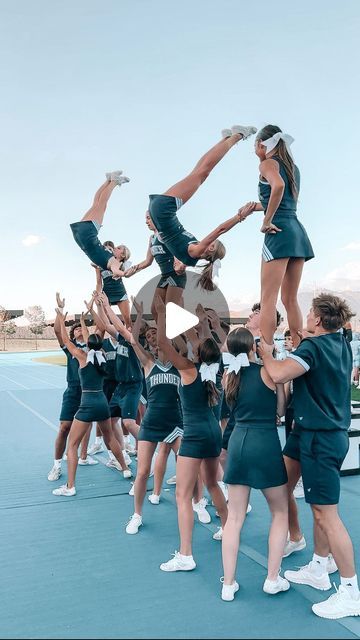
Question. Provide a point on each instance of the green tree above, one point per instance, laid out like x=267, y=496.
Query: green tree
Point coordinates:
x=36, y=317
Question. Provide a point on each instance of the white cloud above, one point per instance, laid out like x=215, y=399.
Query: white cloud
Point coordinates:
x=30, y=240
x=344, y=277
x=352, y=246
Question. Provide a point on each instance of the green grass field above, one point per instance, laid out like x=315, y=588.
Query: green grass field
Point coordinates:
x=355, y=394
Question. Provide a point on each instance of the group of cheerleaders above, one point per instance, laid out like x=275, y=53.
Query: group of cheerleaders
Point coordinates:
x=212, y=389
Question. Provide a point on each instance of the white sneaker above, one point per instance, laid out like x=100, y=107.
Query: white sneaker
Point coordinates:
x=127, y=473
x=95, y=448
x=299, y=489
x=331, y=566
x=339, y=605
x=200, y=508
x=64, y=491
x=294, y=545
x=246, y=132
x=130, y=449
x=87, y=461
x=54, y=473
x=171, y=480
x=226, y=133
x=248, y=509
x=224, y=489
x=120, y=180
x=134, y=524
x=154, y=499
x=64, y=457
x=153, y=461
x=275, y=586
x=132, y=490
x=305, y=575
x=112, y=175
x=219, y=534
x=126, y=457
x=179, y=563
x=228, y=590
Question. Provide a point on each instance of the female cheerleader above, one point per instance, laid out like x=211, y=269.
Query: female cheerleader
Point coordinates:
x=254, y=459
x=202, y=437
x=286, y=244
x=172, y=283
x=93, y=407
x=114, y=287
x=162, y=422
x=86, y=231
x=163, y=211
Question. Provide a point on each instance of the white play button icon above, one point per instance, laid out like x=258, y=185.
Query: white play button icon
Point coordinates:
x=178, y=320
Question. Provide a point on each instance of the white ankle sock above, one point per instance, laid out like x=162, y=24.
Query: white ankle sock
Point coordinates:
x=57, y=463
x=319, y=564
x=351, y=585
x=185, y=557
x=98, y=440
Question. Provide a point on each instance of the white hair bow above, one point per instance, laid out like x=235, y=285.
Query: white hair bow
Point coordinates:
x=272, y=142
x=235, y=362
x=216, y=268
x=209, y=371
x=92, y=354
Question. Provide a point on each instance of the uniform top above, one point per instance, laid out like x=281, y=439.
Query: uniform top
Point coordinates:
x=91, y=379
x=288, y=204
x=322, y=395
x=162, y=385
x=255, y=402
x=113, y=287
x=162, y=255
x=127, y=365
x=194, y=402
x=72, y=365
x=110, y=349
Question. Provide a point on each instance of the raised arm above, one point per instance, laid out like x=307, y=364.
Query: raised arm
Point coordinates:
x=280, y=371
x=216, y=326
x=182, y=364
x=57, y=324
x=141, y=265
x=116, y=322
x=281, y=400
x=84, y=329
x=146, y=358
x=197, y=250
x=270, y=170
x=79, y=354
x=139, y=306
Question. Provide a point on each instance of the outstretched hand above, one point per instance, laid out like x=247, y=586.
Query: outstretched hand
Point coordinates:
x=201, y=313
x=130, y=271
x=269, y=227
x=60, y=313
x=246, y=210
x=159, y=304
x=89, y=305
x=60, y=302
x=264, y=348
x=179, y=267
x=139, y=306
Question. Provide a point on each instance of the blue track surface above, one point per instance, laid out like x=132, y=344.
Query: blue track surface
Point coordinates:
x=70, y=571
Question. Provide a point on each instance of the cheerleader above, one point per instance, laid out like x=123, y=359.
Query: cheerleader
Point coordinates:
x=163, y=209
x=254, y=459
x=202, y=437
x=86, y=231
x=114, y=287
x=286, y=245
x=93, y=406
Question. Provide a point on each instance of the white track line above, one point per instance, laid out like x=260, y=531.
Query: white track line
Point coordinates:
x=35, y=413
x=14, y=381
x=27, y=375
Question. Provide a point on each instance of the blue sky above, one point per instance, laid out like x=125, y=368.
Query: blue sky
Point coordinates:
x=146, y=86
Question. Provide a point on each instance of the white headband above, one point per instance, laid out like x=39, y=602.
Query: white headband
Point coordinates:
x=209, y=371
x=235, y=362
x=272, y=142
x=92, y=354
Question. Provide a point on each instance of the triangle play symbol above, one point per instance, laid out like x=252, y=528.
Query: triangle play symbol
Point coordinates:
x=178, y=320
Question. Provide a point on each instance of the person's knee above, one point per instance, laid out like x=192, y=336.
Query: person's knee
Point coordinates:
x=288, y=299
x=64, y=428
x=143, y=473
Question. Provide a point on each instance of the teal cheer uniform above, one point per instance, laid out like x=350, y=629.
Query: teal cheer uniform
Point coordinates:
x=292, y=241
x=94, y=405
x=254, y=452
x=85, y=235
x=162, y=421
x=72, y=394
x=202, y=434
x=163, y=210
x=129, y=376
x=165, y=260
x=323, y=413
x=113, y=287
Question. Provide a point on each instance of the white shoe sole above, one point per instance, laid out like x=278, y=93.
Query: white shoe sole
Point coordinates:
x=231, y=599
x=133, y=533
x=175, y=570
x=333, y=616
x=307, y=583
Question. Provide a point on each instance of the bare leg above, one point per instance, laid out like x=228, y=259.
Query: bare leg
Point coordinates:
x=186, y=188
x=77, y=432
x=339, y=541
x=112, y=443
x=187, y=471
x=117, y=430
x=61, y=438
x=145, y=453
x=131, y=426
x=198, y=489
x=98, y=208
x=124, y=308
x=223, y=456
x=237, y=505
x=277, y=499
x=293, y=469
x=289, y=290
x=272, y=274
x=85, y=443
x=161, y=462
x=209, y=469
